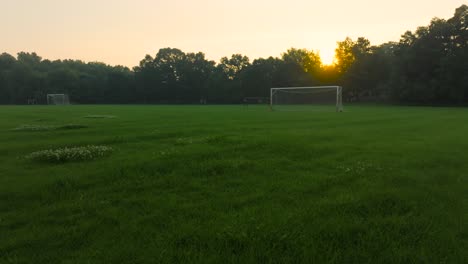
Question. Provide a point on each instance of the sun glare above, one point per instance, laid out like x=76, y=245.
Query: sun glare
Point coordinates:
x=327, y=56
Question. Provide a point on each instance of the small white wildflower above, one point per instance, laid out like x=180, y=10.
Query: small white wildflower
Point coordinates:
x=70, y=154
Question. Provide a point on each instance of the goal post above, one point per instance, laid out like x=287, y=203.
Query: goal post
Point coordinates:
x=312, y=95
x=58, y=99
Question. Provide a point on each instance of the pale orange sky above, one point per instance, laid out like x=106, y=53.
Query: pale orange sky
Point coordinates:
x=123, y=31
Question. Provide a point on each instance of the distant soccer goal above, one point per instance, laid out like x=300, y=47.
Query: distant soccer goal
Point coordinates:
x=58, y=99
x=302, y=98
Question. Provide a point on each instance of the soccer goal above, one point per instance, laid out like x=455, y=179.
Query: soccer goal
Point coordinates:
x=58, y=99
x=302, y=98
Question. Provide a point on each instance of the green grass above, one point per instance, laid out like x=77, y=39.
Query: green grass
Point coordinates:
x=230, y=184
x=36, y=128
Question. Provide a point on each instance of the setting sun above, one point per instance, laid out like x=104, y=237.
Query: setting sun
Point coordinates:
x=327, y=56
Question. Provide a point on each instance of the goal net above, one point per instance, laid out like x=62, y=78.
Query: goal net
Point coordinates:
x=324, y=98
x=58, y=99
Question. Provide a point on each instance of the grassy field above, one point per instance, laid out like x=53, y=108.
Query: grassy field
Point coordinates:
x=230, y=184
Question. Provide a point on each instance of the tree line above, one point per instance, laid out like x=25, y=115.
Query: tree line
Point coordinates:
x=428, y=66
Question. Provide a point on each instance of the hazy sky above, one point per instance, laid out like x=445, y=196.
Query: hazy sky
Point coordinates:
x=123, y=31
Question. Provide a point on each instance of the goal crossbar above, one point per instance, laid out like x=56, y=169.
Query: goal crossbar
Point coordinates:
x=338, y=89
x=305, y=87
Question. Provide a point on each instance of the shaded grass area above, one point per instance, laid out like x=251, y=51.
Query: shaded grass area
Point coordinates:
x=211, y=184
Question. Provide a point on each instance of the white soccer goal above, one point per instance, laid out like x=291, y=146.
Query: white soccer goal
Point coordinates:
x=58, y=99
x=320, y=97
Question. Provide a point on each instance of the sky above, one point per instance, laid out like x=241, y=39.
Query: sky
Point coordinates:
x=122, y=32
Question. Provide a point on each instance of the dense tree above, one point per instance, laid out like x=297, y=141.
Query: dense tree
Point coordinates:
x=7, y=63
x=174, y=77
x=29, y=77
x=260, y=77
x=365, y=70
x=228, y=84
x=233, y=66
x=308, y=61
x=344, y=55
x=430, y=65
